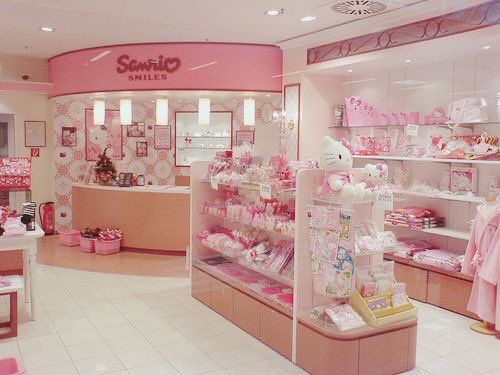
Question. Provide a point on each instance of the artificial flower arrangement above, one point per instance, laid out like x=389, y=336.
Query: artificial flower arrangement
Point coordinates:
x=110, y=234
x=90, y=232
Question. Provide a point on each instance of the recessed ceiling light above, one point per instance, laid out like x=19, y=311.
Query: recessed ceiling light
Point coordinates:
x=486, y=47
x=308, y=18
x=349, y=70
x=407, y=61
x=274, y=12
x=47, y=29
x=268, y=95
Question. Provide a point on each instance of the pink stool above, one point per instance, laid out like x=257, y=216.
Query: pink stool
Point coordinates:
x=11, y=291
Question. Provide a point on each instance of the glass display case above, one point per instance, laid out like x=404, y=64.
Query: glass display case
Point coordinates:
x=196, y=142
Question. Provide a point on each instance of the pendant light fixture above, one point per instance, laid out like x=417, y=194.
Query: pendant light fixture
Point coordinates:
x=249, y=112
x=126, y=112
x=162, y=111
x=204, y=111
x=99, y=112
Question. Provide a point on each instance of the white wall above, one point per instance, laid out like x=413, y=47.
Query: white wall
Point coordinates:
x=33, y=107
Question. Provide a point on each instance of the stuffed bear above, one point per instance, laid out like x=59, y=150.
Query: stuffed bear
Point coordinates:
x=336, y=161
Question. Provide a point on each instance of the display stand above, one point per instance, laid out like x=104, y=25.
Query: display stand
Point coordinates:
x=430, y=284
x=314, y=345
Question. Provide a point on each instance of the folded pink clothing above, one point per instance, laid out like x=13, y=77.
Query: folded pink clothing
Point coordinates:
x=439, y=258
x=273, y=290
x=285, y=298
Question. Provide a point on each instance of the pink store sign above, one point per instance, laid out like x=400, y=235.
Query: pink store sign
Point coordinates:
x=168, y=66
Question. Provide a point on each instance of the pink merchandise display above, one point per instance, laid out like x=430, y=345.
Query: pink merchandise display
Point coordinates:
x=15, y=173
x=439, y=258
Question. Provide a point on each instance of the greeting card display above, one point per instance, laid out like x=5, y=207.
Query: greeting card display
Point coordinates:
x=332, y=247
x=15, y=173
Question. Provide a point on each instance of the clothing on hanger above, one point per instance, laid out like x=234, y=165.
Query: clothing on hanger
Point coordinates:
x=482, y=261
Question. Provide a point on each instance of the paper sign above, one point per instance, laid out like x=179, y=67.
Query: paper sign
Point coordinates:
x=385, y=199
x=214, y=182
x=266, y=191
x=412, y=130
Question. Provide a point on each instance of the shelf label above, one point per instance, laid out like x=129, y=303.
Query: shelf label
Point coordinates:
x=412, y=130
x=385, y=200
x=214, y=182
x=266, y=191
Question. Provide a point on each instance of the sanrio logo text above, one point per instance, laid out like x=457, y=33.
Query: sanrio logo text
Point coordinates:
x=148, y=70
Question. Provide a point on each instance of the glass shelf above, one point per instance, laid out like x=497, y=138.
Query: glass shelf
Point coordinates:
x=448, y=126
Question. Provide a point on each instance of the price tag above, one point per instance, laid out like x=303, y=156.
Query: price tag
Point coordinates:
x=266, y=191
x=214, y=182
x=385, y=200
x=412, y=130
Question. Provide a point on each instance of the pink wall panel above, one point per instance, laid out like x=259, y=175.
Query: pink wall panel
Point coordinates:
x=190, y=66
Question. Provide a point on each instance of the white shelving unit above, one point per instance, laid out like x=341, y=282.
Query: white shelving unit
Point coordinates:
x=445, y=196
x=426, y=159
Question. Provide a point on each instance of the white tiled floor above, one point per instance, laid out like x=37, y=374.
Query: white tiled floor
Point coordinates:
x=94, y=323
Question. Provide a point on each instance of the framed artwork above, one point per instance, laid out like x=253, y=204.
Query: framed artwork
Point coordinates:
x=68, y=136
x=136, y=130
x=98, y=137
x=141, y=149
x=245, y=136
x=163, y=137
x=34, y=134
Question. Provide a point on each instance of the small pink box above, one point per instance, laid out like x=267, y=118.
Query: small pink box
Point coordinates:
x=87, y=245
x=107, y=247
x=69, y=238
x=11, y=366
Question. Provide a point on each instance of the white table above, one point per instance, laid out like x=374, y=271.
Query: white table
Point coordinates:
x=27, y=243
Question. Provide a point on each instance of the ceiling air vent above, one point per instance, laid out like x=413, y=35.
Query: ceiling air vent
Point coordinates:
x=359, y=7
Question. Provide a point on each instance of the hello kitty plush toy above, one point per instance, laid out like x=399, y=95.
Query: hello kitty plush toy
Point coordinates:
x=375, y=175
x=336, y=161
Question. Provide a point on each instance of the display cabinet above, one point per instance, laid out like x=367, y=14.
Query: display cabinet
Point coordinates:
x=286, y=325
x=196, y=142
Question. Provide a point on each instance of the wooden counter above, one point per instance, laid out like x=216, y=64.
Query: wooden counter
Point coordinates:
x=151, y=218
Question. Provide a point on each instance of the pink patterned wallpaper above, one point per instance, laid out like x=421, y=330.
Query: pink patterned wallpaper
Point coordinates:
x=158, y=166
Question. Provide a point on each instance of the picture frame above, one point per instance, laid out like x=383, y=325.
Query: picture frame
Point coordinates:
x=69, y=136
x=141, y=149
x=245, y=136
x=136, y=130
x=35, y=134
x=98, y=137
x=163, y=137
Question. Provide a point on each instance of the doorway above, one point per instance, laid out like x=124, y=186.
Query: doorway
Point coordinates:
x=7, y=149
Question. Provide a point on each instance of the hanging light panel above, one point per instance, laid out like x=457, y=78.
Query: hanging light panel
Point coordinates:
x=249, y=112
x=204, y=111
x=162, y=112
x=126, y=112
x=99, y=112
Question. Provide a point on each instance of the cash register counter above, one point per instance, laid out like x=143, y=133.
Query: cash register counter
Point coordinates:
x=152, y=218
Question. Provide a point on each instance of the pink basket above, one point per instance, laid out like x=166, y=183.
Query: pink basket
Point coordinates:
x=87, y=245
x=69, y=238
x=11, y=366
x=107, y=247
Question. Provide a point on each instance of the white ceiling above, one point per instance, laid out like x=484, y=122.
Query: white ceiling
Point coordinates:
x=88, y=23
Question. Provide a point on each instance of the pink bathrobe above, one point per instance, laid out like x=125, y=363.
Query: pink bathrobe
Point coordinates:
x=482, y=261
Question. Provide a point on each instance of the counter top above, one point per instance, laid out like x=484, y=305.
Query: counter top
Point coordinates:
x=140, y=189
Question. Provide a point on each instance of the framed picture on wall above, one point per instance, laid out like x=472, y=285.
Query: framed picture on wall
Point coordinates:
x=136, y=130
x=163, y=137
x=98, y=137
x=34, y=134
x=245, y=136
x=141, y=149
x=68, y=136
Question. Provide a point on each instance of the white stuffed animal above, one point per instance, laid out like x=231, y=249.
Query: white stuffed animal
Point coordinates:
x=336, y=161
